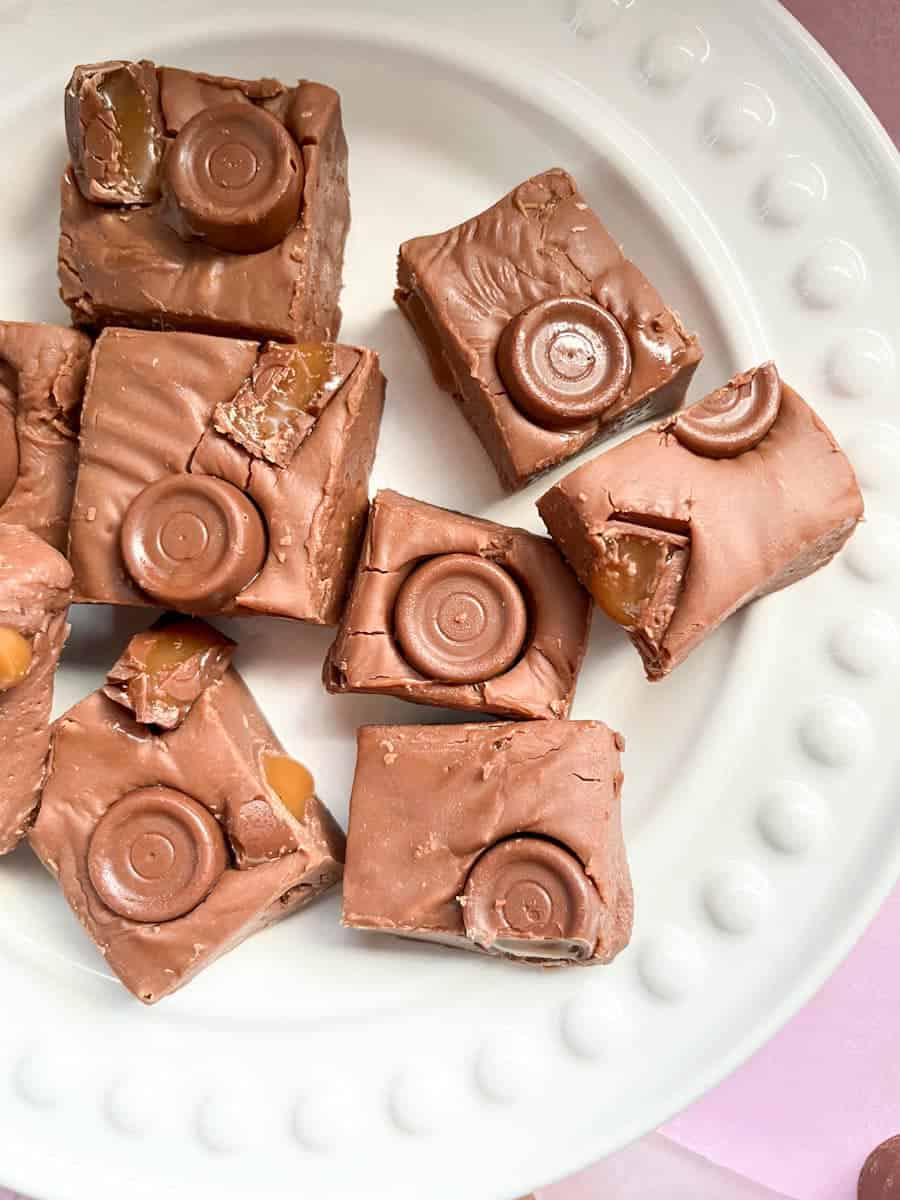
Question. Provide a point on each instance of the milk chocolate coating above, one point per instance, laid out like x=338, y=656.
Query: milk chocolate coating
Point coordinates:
x=367, y=657
x=193, y=542
x=114, y=130
x=878, y=1180
x=756, y=522
x=313, y=508
x=460, y=619
x=435, y=847
x=276, y=864
x=733, y=419
x=531, y=899
x=35, y=590
x=235, y=177
x=129, y=266
x=160, y=686
x=155, y=855
x=42, y=374
x=460, y=289
x=564, y=361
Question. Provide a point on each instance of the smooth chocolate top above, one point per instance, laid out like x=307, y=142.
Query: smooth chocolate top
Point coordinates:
x=183, y=506
x=435, y=806
x=163, y=671
x=270, y=267
x=539, y=243
x=35, y=590
x=389, y=614
x=42, y=374
x=121, y=793
x=755, y=520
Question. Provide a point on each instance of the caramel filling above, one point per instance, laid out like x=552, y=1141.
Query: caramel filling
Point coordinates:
x=290, y=781
x=176, y=644
x=627, y=576
x=292, y=385
x=123, y=96
x=15, y=657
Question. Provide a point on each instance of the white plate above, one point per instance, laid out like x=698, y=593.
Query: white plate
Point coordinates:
x=741, y=170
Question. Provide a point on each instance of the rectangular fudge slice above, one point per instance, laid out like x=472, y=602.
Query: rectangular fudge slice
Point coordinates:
x=452, y=610
x=489, y=300
x=178, y=215
x=273, y=443
x=503, y=838
x=674, y=530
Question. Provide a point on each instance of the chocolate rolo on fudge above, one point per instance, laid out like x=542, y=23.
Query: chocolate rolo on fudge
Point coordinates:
x=540, y=327
x=42, y=374
x=452, y=610
x=501, y=838
x=219, y=475
x=35, y=591
x=677, y=528
x=203, y=202
x=175, y=841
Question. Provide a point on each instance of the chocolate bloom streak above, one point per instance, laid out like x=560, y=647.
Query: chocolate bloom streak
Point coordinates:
x=35, y=590
x=674, y=538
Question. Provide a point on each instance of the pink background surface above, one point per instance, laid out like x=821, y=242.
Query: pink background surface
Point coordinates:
x=803, y=1114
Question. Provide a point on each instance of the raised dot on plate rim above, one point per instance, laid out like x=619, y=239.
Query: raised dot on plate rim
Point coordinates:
x=835, y=731
x=860, y=363
x=220, y=1125
x=589, y=18
x=792, y=817
x=668, y=58
x=873, y=552
x=670, y=964
x=593, y=1024
x=737, y=897
x=37, y=1079
x=735, y=122
x=502, y=1070
x=413, y=1105
x=791, y=192
x=866, y=645
x=832, y=275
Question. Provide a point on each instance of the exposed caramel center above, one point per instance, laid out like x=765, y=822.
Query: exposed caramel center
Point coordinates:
x=176, y=644
x=15, y=657
x=291, y=781
x=120, y=91
x=627, y=577
x=292, y=385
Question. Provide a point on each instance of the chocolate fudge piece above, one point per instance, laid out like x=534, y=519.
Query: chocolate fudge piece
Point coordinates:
x=501, y=838
x=173, y=845
x=880, y=1171
x=42, y=372
x=35, y=590
x=737, y=496
x=224, y=476
x=456, y=611
x=203, y=202
x=540, y=327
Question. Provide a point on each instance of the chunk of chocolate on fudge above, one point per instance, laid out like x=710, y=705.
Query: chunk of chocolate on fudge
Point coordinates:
x=175, y=839
x=203, y=202
x=501, y=838
x=452, y=610
x=42, y=374
x=35, y=591
x=540, y=327
x=674, y=530
x=219, y=475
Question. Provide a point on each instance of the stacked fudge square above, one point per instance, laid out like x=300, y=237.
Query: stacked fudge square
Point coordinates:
x=201, y=442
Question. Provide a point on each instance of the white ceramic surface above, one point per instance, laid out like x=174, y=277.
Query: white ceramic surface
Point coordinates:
x=742, y=171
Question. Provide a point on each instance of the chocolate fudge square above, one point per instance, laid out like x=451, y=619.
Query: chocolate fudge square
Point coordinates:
x=677, y=528
x=174, y=843
x=456, y=611
x=35, y=590
x=42, y=373
x=203, y=202
x=544, y=332
x=219, y=475
x=502, y=838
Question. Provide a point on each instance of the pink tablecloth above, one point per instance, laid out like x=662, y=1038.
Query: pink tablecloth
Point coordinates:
x=802, y=1115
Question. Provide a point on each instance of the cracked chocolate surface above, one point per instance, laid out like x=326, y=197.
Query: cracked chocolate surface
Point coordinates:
x=313, y=507
x=42, y=375
x=429, y=801
x=126, y=265
x=460, y=288
x=402, y=533
x=215, y=758
x=35, y=591
x=757, y=522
